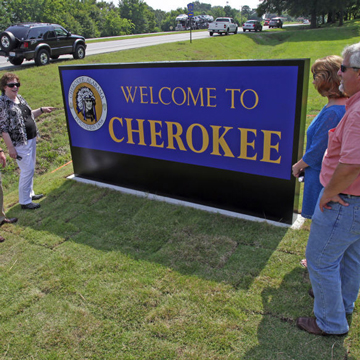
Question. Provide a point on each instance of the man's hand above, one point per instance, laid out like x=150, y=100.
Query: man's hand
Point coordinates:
x=325, y=200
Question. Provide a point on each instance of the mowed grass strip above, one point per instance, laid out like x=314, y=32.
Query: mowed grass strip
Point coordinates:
x=96, y=274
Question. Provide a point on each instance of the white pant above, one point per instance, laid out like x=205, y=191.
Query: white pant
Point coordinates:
x=27, y=170
x=2, y=211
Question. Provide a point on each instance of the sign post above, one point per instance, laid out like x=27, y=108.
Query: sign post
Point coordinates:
x=190, y=7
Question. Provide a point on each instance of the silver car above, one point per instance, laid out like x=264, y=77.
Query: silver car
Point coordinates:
x=252, y=25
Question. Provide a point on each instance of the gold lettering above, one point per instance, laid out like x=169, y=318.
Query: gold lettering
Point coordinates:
x=152, y=97
x=111, y=129
x=219, y=140
x=232, y=97
x=256, y=99
x=200, y=93
x=267, y=146
x=205, y=138
x=244, y=144
x=130, y=95
x=176, y=136
x=173, y=96
x=142, y=94
x=140, y=131
x=209, y=97
x=160, y=95
x=154, y=133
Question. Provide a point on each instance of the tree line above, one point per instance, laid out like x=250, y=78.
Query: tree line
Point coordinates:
x=319, y=11
x=92, y=18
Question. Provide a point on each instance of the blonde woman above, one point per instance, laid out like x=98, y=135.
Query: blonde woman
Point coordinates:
x=326, y=82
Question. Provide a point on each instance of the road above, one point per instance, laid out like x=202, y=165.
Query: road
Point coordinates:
x=118, y=45
x=125, y=44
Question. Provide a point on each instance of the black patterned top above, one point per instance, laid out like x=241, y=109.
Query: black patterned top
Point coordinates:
x=12, y=121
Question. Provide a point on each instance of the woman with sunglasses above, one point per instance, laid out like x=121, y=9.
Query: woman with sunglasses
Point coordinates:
x=326, y=82
x=19, y=131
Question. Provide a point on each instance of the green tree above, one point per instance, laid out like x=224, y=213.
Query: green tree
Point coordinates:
x=24, y=10
x=202, y=8
x=217, y=11
x=245, y=11
x=169, y=21
x=316, y=9
x=5, y=19
x=88, y=25
x=230, y=12
x=150, y=20
x=272, y=6
x=134, y=10
x=304, y=7
x=114, y=25
x=159, y=16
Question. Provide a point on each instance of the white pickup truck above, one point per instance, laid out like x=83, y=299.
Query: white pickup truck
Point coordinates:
x=223, y=25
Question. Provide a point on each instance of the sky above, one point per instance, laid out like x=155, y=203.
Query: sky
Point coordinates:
x=168, y=5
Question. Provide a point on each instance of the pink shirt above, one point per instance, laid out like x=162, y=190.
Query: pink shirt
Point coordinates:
x=344, y=145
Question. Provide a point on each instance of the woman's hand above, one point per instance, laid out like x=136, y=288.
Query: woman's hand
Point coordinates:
x=297, y=170
x=12, y=153
x=299, y=167
x=47, y=109
x=42, y=110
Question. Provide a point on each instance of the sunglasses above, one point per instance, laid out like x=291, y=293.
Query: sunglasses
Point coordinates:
x=11, y=85
x=343, y=68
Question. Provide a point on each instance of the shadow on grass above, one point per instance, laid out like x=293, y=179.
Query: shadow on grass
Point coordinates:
x=279, y=311
x=248, y=256
x=296, y=34
x=190, y=241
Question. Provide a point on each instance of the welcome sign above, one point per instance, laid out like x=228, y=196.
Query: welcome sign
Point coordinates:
x=221, y=133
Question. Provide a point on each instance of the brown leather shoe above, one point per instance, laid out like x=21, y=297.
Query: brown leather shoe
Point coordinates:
x=309, y=324
x=2, y=239
x=9, y=221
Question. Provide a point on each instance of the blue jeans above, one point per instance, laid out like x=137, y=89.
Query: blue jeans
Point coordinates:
x=333, y=259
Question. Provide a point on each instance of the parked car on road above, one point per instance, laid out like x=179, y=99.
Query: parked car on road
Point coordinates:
x=266, y=22
x=275, y=23
x=40, y=42
x=223, y=25
x=252, y=25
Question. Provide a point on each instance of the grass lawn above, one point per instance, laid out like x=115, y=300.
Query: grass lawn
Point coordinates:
x=96, y=274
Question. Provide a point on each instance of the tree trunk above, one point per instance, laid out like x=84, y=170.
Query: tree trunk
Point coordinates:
x=341, y=16
x=313, y=19
x=329, y=19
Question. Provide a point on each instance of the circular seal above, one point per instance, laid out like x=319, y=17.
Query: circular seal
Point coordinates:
x=87, y=103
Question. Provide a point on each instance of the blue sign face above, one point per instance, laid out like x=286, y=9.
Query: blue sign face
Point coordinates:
x=190, y=7
x=237, y=118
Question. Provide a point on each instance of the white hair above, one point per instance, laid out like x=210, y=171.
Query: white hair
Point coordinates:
x=352, y=53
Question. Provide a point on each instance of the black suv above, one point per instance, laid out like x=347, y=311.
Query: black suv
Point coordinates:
x=39, y=42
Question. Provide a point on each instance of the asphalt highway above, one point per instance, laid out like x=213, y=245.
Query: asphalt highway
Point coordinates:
x=118, y=45
x=125, y=44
